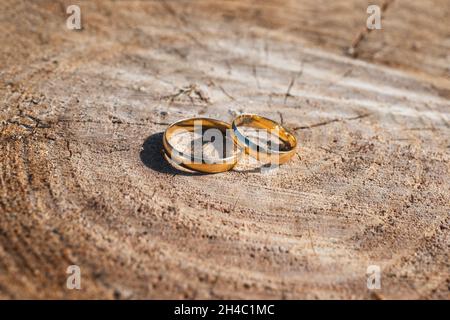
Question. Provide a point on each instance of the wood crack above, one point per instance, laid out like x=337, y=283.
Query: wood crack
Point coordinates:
x=324, y=123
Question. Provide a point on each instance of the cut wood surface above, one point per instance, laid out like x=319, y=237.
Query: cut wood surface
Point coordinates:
x=83, y=182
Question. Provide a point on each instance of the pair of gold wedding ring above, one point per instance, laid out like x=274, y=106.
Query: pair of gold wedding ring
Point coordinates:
x=266, y=152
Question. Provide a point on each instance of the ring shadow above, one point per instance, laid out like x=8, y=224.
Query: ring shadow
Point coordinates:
x=152, y=156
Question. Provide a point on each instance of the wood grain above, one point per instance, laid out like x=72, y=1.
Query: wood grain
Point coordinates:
x=83, y=181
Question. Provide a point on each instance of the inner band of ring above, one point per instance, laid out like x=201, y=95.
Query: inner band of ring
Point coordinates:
x=194, y=163
x=259, y=151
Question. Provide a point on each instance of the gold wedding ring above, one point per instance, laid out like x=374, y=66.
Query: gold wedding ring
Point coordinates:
x=198, y=162
x=265, y=152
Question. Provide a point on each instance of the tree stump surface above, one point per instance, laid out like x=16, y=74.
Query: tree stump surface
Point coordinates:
x=83, y=182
